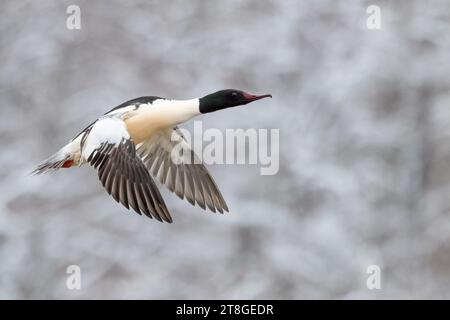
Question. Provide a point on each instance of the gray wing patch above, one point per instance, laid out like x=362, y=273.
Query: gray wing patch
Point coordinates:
x=189, y=180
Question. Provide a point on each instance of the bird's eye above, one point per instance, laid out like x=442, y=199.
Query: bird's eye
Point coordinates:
x=234, y=94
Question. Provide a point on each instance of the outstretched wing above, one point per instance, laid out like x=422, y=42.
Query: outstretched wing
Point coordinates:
x=170, y=159
x=109, y=148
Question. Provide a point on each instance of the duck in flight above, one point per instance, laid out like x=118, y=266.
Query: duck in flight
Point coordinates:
x=134, y=143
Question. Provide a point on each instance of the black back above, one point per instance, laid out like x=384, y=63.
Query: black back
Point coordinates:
x=136, y=102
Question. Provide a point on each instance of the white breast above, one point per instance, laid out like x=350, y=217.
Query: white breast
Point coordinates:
x=160, y=115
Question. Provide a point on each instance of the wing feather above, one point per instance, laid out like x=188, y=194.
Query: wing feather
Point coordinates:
x=110, y=149
x=187, y=179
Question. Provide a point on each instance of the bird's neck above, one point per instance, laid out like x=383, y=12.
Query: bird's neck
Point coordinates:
x=179, y=111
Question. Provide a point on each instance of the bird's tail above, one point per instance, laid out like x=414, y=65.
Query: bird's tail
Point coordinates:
x=64, y=158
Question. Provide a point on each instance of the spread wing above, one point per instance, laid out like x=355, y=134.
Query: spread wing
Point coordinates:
x=108, y=147
x=170, y=159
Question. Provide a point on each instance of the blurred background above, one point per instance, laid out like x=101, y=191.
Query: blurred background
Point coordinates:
x=364, y=119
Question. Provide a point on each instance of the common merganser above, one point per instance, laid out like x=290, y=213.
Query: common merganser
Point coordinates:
x=134, y=141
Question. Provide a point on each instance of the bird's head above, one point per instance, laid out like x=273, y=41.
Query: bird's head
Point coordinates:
x=227, y=98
